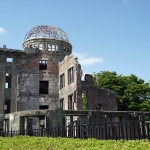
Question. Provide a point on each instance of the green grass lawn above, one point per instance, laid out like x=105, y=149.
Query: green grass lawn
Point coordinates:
x=45, y=143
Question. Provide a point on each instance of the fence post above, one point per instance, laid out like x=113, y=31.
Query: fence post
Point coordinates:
x=11, y=133
x=126, y=131
x=47, y=129
x=122, y=130
x=20, y=132
x=115, y=132
x=147, y=125
x=134, y=126
x=143, y=128
x=78, y=131
x=106, y=131
x=58, y=130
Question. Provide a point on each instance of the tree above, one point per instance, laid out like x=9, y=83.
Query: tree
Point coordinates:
x=132, y=93
x=84, y=101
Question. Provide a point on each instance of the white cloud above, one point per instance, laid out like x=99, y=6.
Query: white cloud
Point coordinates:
x=2, y=30
x=84, y=60
x=83, y=76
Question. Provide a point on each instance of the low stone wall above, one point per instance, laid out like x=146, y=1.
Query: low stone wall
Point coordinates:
x=1, y=121
x=25, y=120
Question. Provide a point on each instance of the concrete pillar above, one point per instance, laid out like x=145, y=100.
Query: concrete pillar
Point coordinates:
x=43, y=46
x=45, y=122
x=46, y=47
x=71, y=126
x=37, y=123
x=2, y=84
x=14, y=90
x=25, y=123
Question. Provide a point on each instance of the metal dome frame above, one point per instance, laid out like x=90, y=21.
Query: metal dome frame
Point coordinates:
x=51, y=32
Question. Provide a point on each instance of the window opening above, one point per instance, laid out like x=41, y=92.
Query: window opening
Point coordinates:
x=62, y=81
x=42, y=123
x=8, y=80
x=67, y=50
x=34, y=46
x=64, y=48
x=49, y=47
x=7, y=106
x=61, y=103
x=43, y=87
x=5, y=109
x=6, y=85
x=70, y=75
x=9, y=60
x=40, y=46
x=98, y=106
x=70, y=100
x=31, y=45
x=57, y=47
x=84, y=100
x=42, y=64
x=53, y=48
x=43, y=107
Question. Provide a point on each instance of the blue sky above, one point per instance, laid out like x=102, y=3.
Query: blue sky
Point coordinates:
x=106, y=35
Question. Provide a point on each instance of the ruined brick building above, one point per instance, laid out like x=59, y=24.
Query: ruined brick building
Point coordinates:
x=45, y=75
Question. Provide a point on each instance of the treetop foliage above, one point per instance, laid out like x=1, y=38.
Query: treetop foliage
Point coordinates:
x=132, y=93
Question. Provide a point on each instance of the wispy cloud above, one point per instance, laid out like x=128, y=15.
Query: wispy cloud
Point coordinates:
x=2, y=30
x=85, y=60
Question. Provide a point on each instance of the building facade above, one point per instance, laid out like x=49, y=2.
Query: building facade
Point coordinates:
x=45, y=75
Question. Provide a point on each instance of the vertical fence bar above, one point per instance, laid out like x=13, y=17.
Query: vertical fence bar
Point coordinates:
x=115, y=132
x=58, y=130
x=78, y=131
x=99, y=132
x=147, y=125
x=90, y=131
x=126, y=128
x=122, y=132
x=139, y=132
x=106, y=131
x=119, y=130
x=143, y=128
x=93, y=131
x=11, y=133
x=109, y=132
x=130, y=133
x=102, y=134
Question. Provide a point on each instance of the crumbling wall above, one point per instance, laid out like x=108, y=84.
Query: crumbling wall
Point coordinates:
x=69, y=89
x=97, y=98
x=29, y=83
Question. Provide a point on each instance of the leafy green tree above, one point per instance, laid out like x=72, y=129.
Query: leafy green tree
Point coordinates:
x=84, y=101
x=132, y=93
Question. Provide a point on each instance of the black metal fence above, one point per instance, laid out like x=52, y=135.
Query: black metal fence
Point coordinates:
x=128, y=130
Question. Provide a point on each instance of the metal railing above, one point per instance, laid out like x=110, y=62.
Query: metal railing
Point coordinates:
x=128, y=130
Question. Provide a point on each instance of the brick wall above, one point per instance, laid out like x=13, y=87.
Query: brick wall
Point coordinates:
x=29, y=77
x=97, y=96
x=70, y=88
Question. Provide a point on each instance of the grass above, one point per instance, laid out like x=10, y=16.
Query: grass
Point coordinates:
x=45, y=143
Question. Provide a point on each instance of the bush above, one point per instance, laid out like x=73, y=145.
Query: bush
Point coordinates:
x=45, y=143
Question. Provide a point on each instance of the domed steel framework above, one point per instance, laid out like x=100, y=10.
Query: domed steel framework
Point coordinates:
x=51, y=32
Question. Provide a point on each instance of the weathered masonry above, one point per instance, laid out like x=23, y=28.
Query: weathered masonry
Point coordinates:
x=45, y=75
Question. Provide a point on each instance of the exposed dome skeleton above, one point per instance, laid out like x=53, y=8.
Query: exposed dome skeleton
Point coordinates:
x=51, y=32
